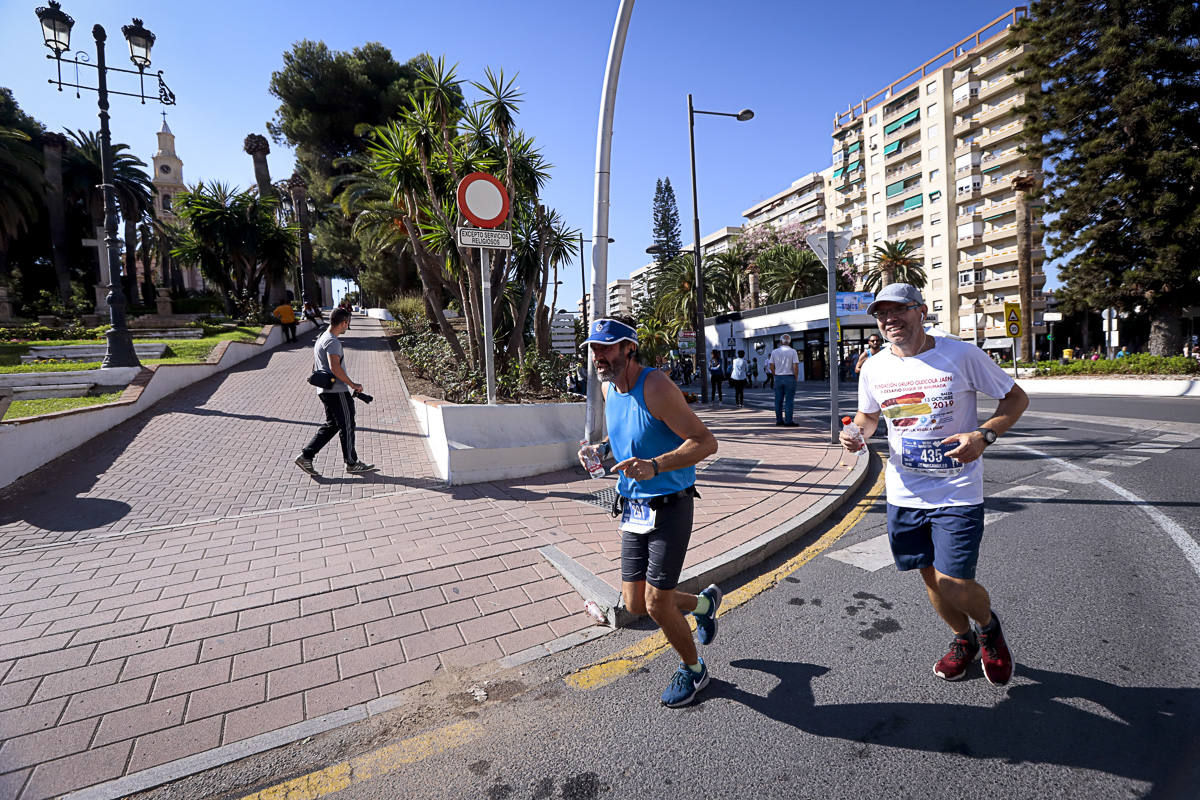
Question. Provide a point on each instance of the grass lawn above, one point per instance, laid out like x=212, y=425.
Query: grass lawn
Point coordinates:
x=179, y=351
x=31, y=408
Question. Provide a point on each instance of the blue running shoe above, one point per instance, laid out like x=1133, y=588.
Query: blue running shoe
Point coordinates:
x=706, y=624
x=684, y=685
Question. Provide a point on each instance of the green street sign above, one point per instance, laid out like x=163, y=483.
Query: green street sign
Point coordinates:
x=1049, y=338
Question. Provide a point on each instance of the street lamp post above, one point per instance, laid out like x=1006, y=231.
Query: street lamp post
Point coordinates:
x=583, y=276
x=288, y=197
x=701, y=357
x=56, y=32
x=303, y=206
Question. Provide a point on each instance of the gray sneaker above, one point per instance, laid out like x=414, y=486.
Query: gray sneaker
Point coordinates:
x=307, y=465
x=359, y=466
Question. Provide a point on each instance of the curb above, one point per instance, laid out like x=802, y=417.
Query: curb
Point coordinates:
x=717, y=568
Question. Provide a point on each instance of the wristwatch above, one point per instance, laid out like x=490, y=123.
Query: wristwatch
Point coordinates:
x=989, y=435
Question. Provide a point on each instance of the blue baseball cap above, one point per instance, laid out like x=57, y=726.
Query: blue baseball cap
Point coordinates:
x=610, y=331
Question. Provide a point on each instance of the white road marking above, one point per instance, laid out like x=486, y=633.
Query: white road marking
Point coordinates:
x=1191, y=550
x=1117, y=461
x=1079, y=475
x=1021, y=493
x=871, y=555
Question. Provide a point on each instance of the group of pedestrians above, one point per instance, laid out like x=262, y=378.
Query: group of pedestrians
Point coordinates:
x=925, y=389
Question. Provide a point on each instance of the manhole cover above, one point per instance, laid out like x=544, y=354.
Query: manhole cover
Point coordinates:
x=603, y=498
x=732, y=466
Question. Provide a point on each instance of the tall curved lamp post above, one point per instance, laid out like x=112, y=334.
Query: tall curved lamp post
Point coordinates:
x=583, y=277
x=701, y=345
x=56, y=33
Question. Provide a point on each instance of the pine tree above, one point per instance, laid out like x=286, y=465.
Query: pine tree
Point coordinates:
x=1113, y=102
x=666, y=222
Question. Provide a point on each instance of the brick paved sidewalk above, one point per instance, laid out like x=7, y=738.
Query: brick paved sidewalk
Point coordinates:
x=178, y=585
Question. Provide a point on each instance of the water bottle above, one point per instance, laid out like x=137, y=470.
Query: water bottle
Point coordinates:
x=591, y=460
x=595, y=612
x=849, y=427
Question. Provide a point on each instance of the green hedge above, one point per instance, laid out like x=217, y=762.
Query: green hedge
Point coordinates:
x=1140, y=364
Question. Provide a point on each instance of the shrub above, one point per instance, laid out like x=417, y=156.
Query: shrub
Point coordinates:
x=41, y=333
x=1140, y=364
x=407, y=305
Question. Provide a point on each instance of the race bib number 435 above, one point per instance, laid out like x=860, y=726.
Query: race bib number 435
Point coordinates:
x=928, y=457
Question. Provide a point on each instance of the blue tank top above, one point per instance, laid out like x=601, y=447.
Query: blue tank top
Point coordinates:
x=634, y=432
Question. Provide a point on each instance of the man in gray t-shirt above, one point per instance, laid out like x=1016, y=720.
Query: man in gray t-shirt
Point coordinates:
x=329, y=356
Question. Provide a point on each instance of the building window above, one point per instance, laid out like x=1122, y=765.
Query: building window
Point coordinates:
x=166, y=202
x=931, y=109
x=935, y=240
x=934, y=173
x=935, y=220
x=875, y=217
x=932, y=132
x=875, y=197
x=933, y=152
x=874, y=159
x=931, y=87
x=937, y=305
x=873, y=120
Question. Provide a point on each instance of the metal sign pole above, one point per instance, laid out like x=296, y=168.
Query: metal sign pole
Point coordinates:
x=1014, y=346
x=489, y=360
x=832, y=336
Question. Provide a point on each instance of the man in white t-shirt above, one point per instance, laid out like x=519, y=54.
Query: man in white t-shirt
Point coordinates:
x=926, y=389
x=784, y=364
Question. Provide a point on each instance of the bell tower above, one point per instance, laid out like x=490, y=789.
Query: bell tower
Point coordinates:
x=168, y=173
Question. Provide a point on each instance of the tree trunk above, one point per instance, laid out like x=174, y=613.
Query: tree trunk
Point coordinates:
x=1023, y=185
x=1166, y=331
x=52, y=150
x=129, y=276
x=431, y=290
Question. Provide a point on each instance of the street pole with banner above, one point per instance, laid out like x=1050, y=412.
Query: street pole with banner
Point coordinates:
x=1051, y=317
x=826, y=246
x=483, y=200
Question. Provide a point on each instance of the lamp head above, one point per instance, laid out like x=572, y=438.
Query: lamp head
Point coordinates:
x=140, y=41
x=745, y=115
x=56, y=27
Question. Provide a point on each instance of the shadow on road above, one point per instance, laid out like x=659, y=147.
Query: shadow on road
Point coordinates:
x=1140, y=733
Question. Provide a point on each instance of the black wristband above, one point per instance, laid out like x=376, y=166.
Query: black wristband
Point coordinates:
x=654, y=461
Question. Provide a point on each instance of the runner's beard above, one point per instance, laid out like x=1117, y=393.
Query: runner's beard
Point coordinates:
x=615, y=366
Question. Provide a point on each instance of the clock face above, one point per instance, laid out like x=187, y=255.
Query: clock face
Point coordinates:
x=165, y=169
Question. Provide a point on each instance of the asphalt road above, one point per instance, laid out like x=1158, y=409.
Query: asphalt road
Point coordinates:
x=823, y=686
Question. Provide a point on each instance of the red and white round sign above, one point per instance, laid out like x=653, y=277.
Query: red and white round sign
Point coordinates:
x=483, y=200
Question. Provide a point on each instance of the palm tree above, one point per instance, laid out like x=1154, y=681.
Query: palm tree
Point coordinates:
x=53, y=145
x=235, y=238
x=675, y=291
x=656, y=338
x=893, y=263
x=21, y=189
x=730, y=282
x=789, y=273
x=83, y=175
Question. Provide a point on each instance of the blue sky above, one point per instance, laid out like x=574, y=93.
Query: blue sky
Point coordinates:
x=794, y=63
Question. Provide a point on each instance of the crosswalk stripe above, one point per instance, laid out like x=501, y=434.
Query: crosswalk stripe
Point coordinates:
x=1117, y=461
x=871, y=555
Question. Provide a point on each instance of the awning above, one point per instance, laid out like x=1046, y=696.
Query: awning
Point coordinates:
x=853, y=165
x=916, y=201
x=993, y=169
x=894, y=189
x=891, y=148
x=854, y=147
x=837, y=173
x=907, y=118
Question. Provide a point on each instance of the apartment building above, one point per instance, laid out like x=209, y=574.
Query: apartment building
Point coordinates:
x=642, y=278
x=802, y=203
x=930, y=159
x=620, y=297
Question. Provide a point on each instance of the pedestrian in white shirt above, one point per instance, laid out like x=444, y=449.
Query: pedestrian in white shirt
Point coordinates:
x=784, y=364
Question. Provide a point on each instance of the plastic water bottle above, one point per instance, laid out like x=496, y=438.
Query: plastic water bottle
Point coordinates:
x=591, y=460
x=849, y=427
x=595, y=612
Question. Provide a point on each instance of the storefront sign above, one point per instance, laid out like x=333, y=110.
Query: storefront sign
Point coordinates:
x=853, y=302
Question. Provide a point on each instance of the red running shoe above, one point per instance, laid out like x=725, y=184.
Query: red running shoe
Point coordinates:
x=963, y=650
x=997, y=658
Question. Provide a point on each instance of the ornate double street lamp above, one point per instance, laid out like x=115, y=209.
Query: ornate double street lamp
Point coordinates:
x=293, y=196
x=56, y=31
x=701, y=349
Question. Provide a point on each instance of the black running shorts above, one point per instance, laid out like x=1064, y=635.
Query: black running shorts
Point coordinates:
x=657, y=557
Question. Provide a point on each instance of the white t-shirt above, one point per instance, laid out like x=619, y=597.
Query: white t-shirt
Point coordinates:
x=924, y=399
x=737, y=370
x=784, y=360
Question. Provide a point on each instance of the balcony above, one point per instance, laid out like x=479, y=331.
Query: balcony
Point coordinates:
x=972, y=97
x=968, y=169
x=846, y=141
x=973, y=216
x=990, y=88
x=1007, y=131
x=962, y=76
x=854, y=194
x=999, y=60
x=1002, y=157
x=1001, y=233
x=965, y=193
x=967, y=145
x=903, y=171
x=905, y=215
x=969, y=240
x=1001, y=109
x=899, y=111
x=999, y=258
x=993, y=185
x=965, y=124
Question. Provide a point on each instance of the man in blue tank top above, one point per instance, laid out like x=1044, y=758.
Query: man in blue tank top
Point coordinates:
x=657, y=441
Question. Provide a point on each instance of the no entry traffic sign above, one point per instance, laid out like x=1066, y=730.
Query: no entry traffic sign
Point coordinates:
x=483, y=200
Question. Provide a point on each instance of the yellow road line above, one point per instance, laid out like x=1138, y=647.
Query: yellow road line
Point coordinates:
x=379, y=762
x=633, y=657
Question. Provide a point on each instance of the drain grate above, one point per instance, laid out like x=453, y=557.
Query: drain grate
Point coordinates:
x=733, y=467
x=603, y=498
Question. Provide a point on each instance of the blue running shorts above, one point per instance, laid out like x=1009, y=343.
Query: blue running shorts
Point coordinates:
x=945, y=538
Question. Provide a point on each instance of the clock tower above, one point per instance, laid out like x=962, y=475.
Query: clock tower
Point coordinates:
x=168, y=174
